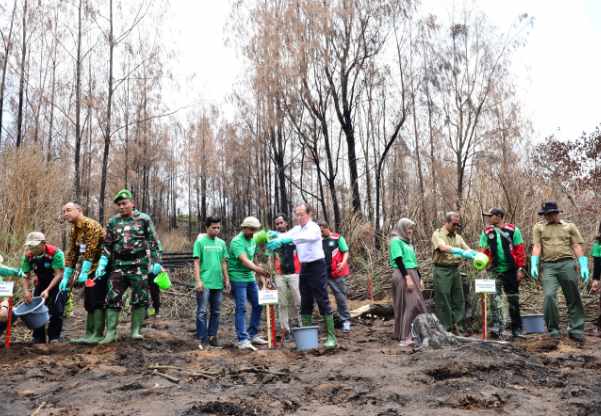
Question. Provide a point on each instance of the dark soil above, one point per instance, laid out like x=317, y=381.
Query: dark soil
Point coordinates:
x=367, y=375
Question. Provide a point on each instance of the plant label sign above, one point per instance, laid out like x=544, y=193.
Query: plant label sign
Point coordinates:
x=485, y=286
x=268, y=297
x=6, y=289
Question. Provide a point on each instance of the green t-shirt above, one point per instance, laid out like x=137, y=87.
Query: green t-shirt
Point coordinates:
x=502, y=264
x=342, y=246
x=401, y=248
x=237, y=271
x=57, y=263
x=211, y=252
x=596, y=250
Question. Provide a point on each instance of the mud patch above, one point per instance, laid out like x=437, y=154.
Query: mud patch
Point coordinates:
x=222, y=409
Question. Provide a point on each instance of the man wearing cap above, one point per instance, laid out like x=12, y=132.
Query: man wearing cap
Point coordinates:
x=242, y=271
x=558, y=243
x=448, y=249
x=313, y=280
x=132, y=248
x=85, y=245
x=47, y=262
x=503, y=244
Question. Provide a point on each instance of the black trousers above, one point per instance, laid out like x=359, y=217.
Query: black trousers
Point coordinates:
x=155, y=294
x=95, y=297
x=313, y=285
x=56, y=308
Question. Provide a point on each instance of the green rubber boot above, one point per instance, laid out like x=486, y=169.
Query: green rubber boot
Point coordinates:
x=89, y=331
x=112, y=320
x=307, y=320
x=137, y=318
x=331, y=339
x=99, y=322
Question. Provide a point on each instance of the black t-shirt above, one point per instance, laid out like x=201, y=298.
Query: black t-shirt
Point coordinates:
x=286, y=254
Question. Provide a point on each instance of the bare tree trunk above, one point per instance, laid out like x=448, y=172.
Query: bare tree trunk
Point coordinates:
x=107, y=133
x=77, y=155
x=22, y=77
x=7, y=46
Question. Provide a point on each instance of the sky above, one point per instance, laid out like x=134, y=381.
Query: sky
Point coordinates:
x=557, y=72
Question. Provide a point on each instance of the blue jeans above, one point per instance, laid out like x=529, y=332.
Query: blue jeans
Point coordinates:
x=246, y=291
x=204, y=299
x=338, y=287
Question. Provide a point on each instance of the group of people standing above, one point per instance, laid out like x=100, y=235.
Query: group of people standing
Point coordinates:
x=557, y=250
x=307, y=259
x=108, y=261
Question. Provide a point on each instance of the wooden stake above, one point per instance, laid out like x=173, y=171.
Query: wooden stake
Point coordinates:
x=9, y=321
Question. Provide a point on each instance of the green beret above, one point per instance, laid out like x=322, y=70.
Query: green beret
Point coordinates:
x=122, y=194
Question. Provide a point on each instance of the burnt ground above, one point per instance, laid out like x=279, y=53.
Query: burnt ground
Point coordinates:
x=367, y=375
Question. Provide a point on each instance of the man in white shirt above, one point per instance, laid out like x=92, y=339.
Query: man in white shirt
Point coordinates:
x=306, y=236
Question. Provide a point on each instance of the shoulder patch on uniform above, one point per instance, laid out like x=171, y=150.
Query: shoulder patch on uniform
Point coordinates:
x=489, y=229
x=510, y=226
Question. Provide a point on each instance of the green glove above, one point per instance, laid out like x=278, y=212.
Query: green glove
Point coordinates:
x=10, y=271
x=155, y=269
x=584, y=273
x=534, y=267
x=63, y=286
x=101, y=269
x=277, y=243
x=83, y=273
x=272, y=234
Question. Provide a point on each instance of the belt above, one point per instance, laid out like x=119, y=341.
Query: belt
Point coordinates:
x=447, y=266
x=559, y=260
x=313, y=262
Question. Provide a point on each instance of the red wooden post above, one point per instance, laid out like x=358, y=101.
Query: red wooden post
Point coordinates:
x=272, y=318
x=9, y=320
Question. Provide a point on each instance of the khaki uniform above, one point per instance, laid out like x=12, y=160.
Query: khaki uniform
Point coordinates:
x=448, y=288
x=559, y=269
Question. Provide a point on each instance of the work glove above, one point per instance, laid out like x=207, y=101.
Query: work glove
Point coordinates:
x=101, y=268
x=584, y=273
x=273, y=234
x=277, y=243
x=155, y=269
x=10, y=271
x=63, y=286
x=534, y=267
x=466, y=254
x=83, y=273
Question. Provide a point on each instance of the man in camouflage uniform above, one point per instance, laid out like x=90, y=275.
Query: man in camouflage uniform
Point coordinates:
x=85, y=244
x=133, y=249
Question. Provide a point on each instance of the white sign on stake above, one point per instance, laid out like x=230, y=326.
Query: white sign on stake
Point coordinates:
x=268, y=297
x=485, y=286
x=6, y=289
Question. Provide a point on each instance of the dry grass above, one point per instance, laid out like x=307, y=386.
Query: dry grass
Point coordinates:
x=32, y=192
x=175, y=241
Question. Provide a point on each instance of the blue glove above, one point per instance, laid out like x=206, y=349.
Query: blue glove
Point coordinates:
x=272, y=234
x=85, y=269
x=63, y=286
x=584, y=274
x=101, y=268
x=466, y=254
x=534, y=267
x=278, y=242
x=155, y=269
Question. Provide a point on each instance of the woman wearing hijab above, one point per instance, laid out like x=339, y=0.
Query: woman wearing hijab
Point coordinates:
x=407, y=300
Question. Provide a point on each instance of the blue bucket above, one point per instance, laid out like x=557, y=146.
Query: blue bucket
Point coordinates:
x=533, y=324
x=34, y=314
x=306, y=338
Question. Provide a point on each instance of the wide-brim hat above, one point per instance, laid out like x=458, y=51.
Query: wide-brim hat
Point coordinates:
x=251, y=222
x=549, y=207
